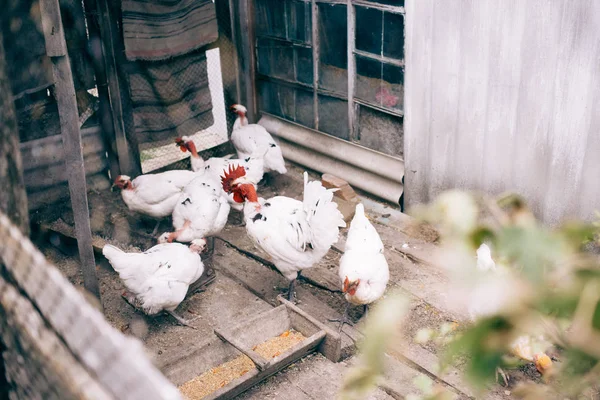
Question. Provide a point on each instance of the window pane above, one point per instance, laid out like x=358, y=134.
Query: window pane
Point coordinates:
x=277, y=99
x=286, y=102
x=368, y=79
x=380, y=131
x=393, y=35
x=299, y=15
x=379, y=83
x=270, y=17
x=305, y=114
x=392, y=90
x=275, y=58
x=369, y=25
x=305, y=65
x=333, y=47
x=333, y=116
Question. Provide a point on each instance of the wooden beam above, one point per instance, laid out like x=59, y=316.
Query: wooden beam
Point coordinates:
x=13, y=199
x=113, y=54
x=247, y=56
x=99, y=64
x=64, y=92
x=350, y=62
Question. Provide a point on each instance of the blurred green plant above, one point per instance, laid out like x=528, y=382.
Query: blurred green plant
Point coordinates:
x=549, y=286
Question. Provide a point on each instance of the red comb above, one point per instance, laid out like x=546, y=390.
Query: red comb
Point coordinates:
x=231, y=175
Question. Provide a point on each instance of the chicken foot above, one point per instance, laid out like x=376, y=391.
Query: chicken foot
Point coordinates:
x=133, y=302
x=155, y=231
x=345, y=318
x=181, y=320
x=503, y=374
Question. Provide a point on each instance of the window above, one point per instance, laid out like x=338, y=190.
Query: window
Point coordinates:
x=291, y=86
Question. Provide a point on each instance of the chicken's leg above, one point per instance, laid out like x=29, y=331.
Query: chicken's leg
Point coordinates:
x=503, y=374
x=365, y=310
x=291, y=290
x=345, y=318
x=155, y=231
x=181, y=320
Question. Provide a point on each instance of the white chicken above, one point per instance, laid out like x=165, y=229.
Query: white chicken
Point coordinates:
x=154, y=195
x=296, y=234
x=488, y=299
x=201, y=210
x=247, y=138
x=216, y=166
x=364, y=271
x=159, y=278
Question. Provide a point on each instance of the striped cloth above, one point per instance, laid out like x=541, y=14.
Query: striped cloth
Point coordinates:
x=170, y=98
x=160, y=29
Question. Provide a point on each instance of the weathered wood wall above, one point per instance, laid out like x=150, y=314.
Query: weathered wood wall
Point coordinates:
x=505, y=95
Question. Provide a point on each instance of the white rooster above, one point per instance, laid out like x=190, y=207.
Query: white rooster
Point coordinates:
x=296, y=234
x=216, y=166
x=154, y=195
x=247, y=138
x=490, y=296
x=159, y=278
x=364, y=271
x=201, y=211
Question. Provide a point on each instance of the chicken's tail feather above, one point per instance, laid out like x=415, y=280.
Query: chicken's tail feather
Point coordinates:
x=322, y=213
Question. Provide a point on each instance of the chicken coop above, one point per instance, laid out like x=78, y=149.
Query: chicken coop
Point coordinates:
x=102, y=89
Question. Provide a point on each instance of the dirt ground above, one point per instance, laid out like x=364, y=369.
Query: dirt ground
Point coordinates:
x=247, y=285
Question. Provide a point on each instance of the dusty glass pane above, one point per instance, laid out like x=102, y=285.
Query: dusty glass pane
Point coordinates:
x=275, y=58
x=379, y=83
x=305, y=108
x=286, y=102
x=369, y=25
x=270, y=17
x=393, y=35
x=368, y=79
x=392, y=90
x=333, y=47
x=277, y=99
x=299, y=16
x=304, y=65
x=380, y=131
x=333, y=116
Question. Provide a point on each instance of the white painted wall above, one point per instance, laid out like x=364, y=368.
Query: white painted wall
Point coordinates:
x=504, y=95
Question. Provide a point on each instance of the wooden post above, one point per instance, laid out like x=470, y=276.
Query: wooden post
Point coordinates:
x=13, y=198
x=114, y=55
x=247, y=55
x=64, y=92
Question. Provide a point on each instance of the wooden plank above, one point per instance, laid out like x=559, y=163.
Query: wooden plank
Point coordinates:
x=51, y=175
x=111, y=40
x=417, y=106
x=473, y=80
x=445, y=66
x=50, y=196
x=49, y=150
x=315, y=58
x=351, y=62
x=13, y=198
x=577, y=79
x=247, y=55
x=256, y=358
x=506, y=40
x=69, y=121
x=54, y=34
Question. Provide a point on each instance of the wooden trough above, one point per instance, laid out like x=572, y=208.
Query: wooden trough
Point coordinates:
x=231, y=343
